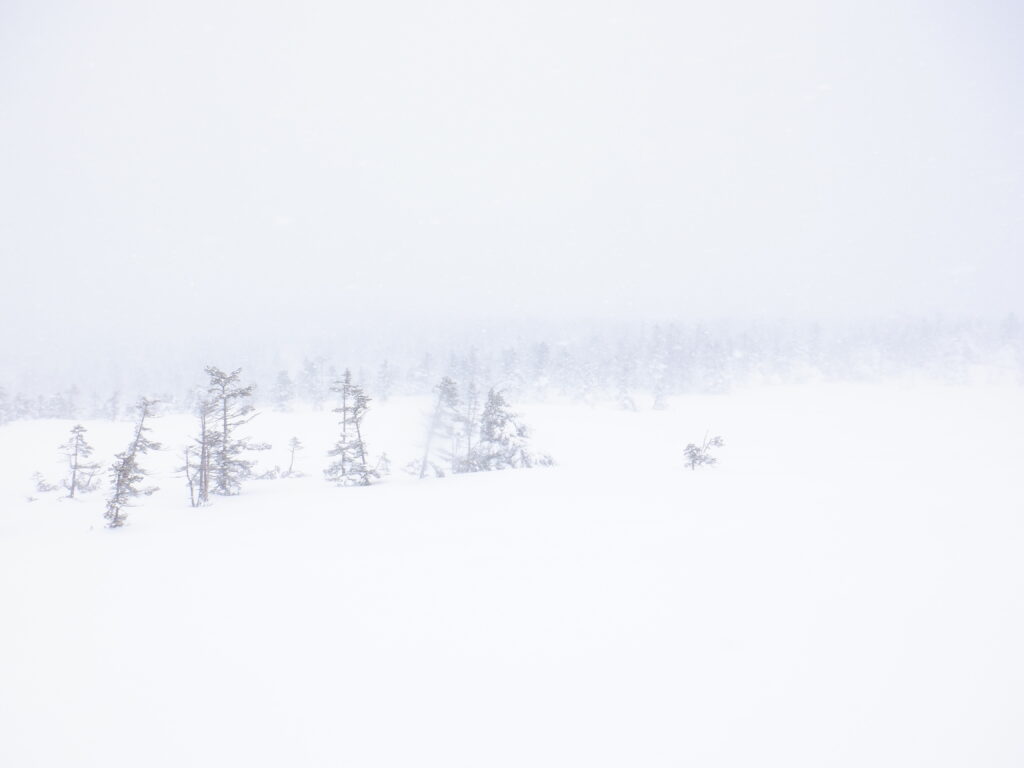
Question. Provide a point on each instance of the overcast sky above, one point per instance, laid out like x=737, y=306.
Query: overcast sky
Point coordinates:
x=165, y=162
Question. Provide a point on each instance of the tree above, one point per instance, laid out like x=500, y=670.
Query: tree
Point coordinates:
x=503, y=442
x=442, y=424
x=350, y=466
x=83, y=472
x=295, y=446
x=698, y=455
x=284, y=391
x=468, y=424
x=311, y=382
x=228, y=406
x=125, y=473
x=385, y=381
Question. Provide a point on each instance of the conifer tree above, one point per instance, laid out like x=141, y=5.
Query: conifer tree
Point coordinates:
x=700, y=455
x=125, y=473
x=229, y=410
x=350, y=466
x=294, y=446
x=83, y=472
x=385, y=381
x=284, y=391
x=442, y=424
x=503, y=441
x=468, y=425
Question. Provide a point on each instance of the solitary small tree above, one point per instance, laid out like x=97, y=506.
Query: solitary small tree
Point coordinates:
x=229, y=407
x=294, y=446
x=83, y=472
x=125, y=473
x=698, y=455
x=350, y=466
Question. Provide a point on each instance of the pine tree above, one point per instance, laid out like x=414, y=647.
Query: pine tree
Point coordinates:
x=350, y=466
x=284, y=391
x=230, y=411
x=385, y=381
x=443, y=424
x=125, y=473
x=503, y=441
x=83, y=472
x=311, y=382
x=699, y=455
x=294, y=446
x=468, y=426
x=5, y=406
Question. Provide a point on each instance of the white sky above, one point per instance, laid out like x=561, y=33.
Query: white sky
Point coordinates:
x=165, y=163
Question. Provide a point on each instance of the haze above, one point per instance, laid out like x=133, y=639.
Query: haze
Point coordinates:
x=172, y=168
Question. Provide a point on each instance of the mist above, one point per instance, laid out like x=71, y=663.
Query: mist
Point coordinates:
x=216, y=172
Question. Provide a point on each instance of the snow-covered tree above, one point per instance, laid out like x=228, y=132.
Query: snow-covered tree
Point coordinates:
x=312, y=387
x=699, y=455
x=125, y=474
x=284, y=391
x=5, y=406
x=385, y=381
x=230, y=411
x=466, y=431
x=82, y=471
x=443, y=423
x=503, y=442
x=294, y=445
x=350, y=466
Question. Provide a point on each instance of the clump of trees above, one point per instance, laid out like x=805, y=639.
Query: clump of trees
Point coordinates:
x=472, y=440
x=126, y=475
x=700, y=455
x=82, y=472
x=216, y=462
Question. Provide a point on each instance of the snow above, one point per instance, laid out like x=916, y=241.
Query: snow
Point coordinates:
x=844, y=588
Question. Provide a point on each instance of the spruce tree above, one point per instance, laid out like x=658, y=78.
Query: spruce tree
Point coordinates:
x=503, y=442
x=83, y=472
x=125, y=473
x=284, y=391
x=229, y=410
x=468, y=425
x=443, y=424
x=350, y=466
x=294, y=446
x=700, y=455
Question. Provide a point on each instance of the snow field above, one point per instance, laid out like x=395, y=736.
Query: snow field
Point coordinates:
x=844, y=588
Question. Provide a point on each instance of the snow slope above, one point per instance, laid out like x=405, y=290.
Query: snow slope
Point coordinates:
x=846, y=588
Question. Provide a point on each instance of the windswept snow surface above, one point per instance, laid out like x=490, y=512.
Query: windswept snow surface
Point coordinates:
x=846, y=588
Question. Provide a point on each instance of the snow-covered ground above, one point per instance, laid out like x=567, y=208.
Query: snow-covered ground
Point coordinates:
x=846, y=588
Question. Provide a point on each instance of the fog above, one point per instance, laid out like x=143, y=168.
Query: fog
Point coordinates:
x=203, y=172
